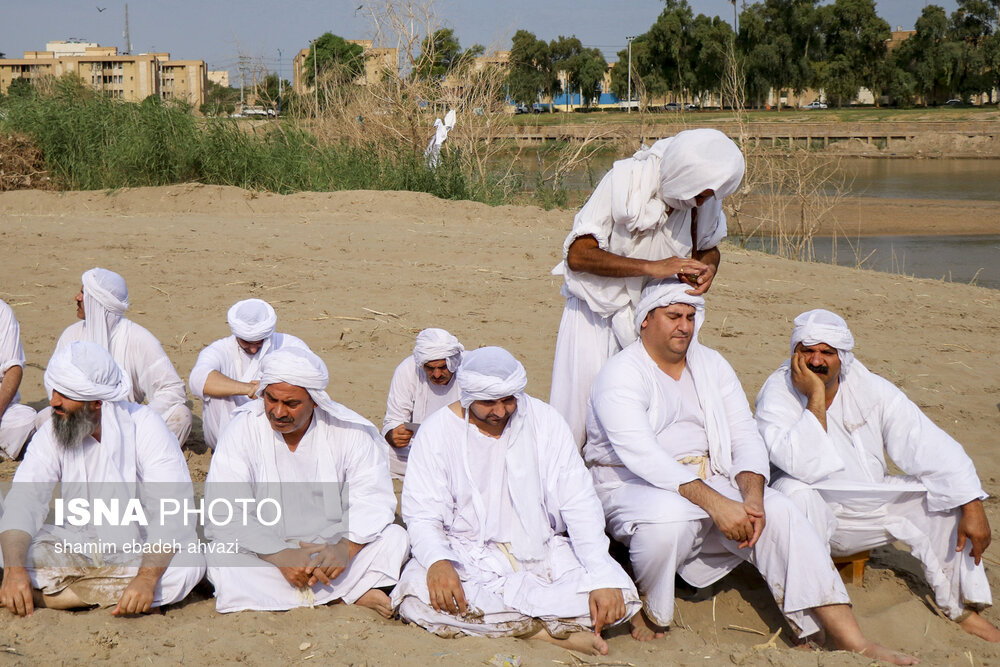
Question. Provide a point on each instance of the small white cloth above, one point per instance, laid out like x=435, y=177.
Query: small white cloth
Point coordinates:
x=252, y=320
x=435, y=344
x=105, y=300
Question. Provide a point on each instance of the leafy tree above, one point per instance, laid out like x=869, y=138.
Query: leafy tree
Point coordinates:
x=336, y=60
x=929, y=56
x=672, y=46
x=21, y=88
x=219, y=100
x=782, y=44
x=440, y=52
x=711, y=37
x=972, y=26
x=530, y=68
x=584, y=68
x=855, y=39
x=646, y=78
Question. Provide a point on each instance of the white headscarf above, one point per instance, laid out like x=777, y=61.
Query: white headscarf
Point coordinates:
x=434, y=344
x=489, y=374
x=302, y=368
x=105, y=299
x=252, y=320
x=85, y=371
x=657, y=294
x=672, y=172
x=821, y=326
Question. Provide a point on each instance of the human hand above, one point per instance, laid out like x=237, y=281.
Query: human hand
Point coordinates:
x=701, y=282
x=732, y=519
x=684, y=268
x=607, y=606
x=252, y=392
x=137, y=598
x=976, y=527
x=755, y=514
x=330, y=560
x=399, y=436
x=15, y=591
x=295, y=564
x=806, y=382
x=445, y=588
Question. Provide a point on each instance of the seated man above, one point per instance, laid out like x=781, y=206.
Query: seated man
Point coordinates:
x=507, y=533
x=335, y=539
x=96, y=445
x=681, y=469
x=828, y=422
x=17, y=422
x=422, y=383
x=101, y=303
x=227, y=371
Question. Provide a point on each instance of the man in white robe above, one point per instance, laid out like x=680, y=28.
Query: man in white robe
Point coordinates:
x=507, y=533
x=101, y=305
x=227, y=372
x=325, y=465
x=681, y=472
x=98, y=447
x=17, y=422
x=828, y=422
x=421, y=384
x=655, y=215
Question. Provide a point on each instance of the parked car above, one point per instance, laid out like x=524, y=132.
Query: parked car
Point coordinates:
x=521, y=108
x=954, y=103
x=691, y=107
x=672, y=106
x=815, y=104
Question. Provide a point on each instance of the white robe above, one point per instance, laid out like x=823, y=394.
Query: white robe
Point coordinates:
x=598, y=320
x=149, y=462
x=641, y=424
x=227, y=357
x=840, y=478
x=506, y=595
x=17, y=421
x=347, y=478
x=412, y=398
x=154, y=379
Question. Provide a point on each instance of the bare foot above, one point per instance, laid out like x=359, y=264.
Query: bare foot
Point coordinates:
x=587, y=643
x=377, y=600
x=643, y=628
x=879, y=652
x=976, y=625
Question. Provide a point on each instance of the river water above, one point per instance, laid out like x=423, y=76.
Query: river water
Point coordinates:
x=957, y=258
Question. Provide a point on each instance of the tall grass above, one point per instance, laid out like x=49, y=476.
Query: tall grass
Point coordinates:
x=91, y=142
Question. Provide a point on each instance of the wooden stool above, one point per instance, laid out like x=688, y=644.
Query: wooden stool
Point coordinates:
x=852, y=568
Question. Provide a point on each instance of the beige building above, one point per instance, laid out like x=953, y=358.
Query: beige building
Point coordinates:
x=378, y=62
x=128, y=77
x=219, y=76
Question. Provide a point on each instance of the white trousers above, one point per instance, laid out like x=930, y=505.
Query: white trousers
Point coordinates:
x=16, y=426
x=256, y=584
x=850, y=523
x=584, y=344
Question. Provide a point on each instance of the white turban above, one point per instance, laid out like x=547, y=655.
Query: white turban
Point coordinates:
x=434, y=344
x=663, y=292
x=821, y=326
x=252, y=320
x=672, y=172
x=302, y=368
x=85, y=371
x=105, y=299
x=488, y=374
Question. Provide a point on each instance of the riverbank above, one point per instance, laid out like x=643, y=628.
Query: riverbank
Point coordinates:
x=356, y=275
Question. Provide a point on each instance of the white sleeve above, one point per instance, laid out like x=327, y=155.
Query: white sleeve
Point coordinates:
x=164, y=475
x=620, y=398
x=210, y=359
x=796, y=442
x=594, y=219
x=11, y=351
x=402, y=392
x=158, y=380
x=426, y=497
x=748, y=451
x=371, y=500
x=27, y=503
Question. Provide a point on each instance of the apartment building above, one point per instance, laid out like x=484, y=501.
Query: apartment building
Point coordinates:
x=128, y=77
x=379, y=61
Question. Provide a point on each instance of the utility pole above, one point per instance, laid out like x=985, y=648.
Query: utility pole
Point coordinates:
x=315, y=79
x=736, y=18
x=128, y=38
x=629, y=39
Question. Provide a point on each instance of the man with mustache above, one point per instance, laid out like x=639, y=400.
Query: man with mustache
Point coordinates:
x=99, y=447
x=328, y=532
x=828, y=423
x=681, y=471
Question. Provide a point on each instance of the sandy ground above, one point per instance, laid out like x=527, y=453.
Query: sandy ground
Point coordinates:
x=357, y=274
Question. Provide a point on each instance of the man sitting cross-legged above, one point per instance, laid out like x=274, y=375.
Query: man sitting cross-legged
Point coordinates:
x=99, y=448
x=324, y=467
x=508, y=537
x=828, y=422
x=680, y=469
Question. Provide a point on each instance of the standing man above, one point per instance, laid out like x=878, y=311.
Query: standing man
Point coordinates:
x=227, y=372
x=421, y=384
x=681, y=472
x=101, y=306
x=508, y=539
x=17, y=422
x=334, y=537
x=828, y=423
x=655, y=215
